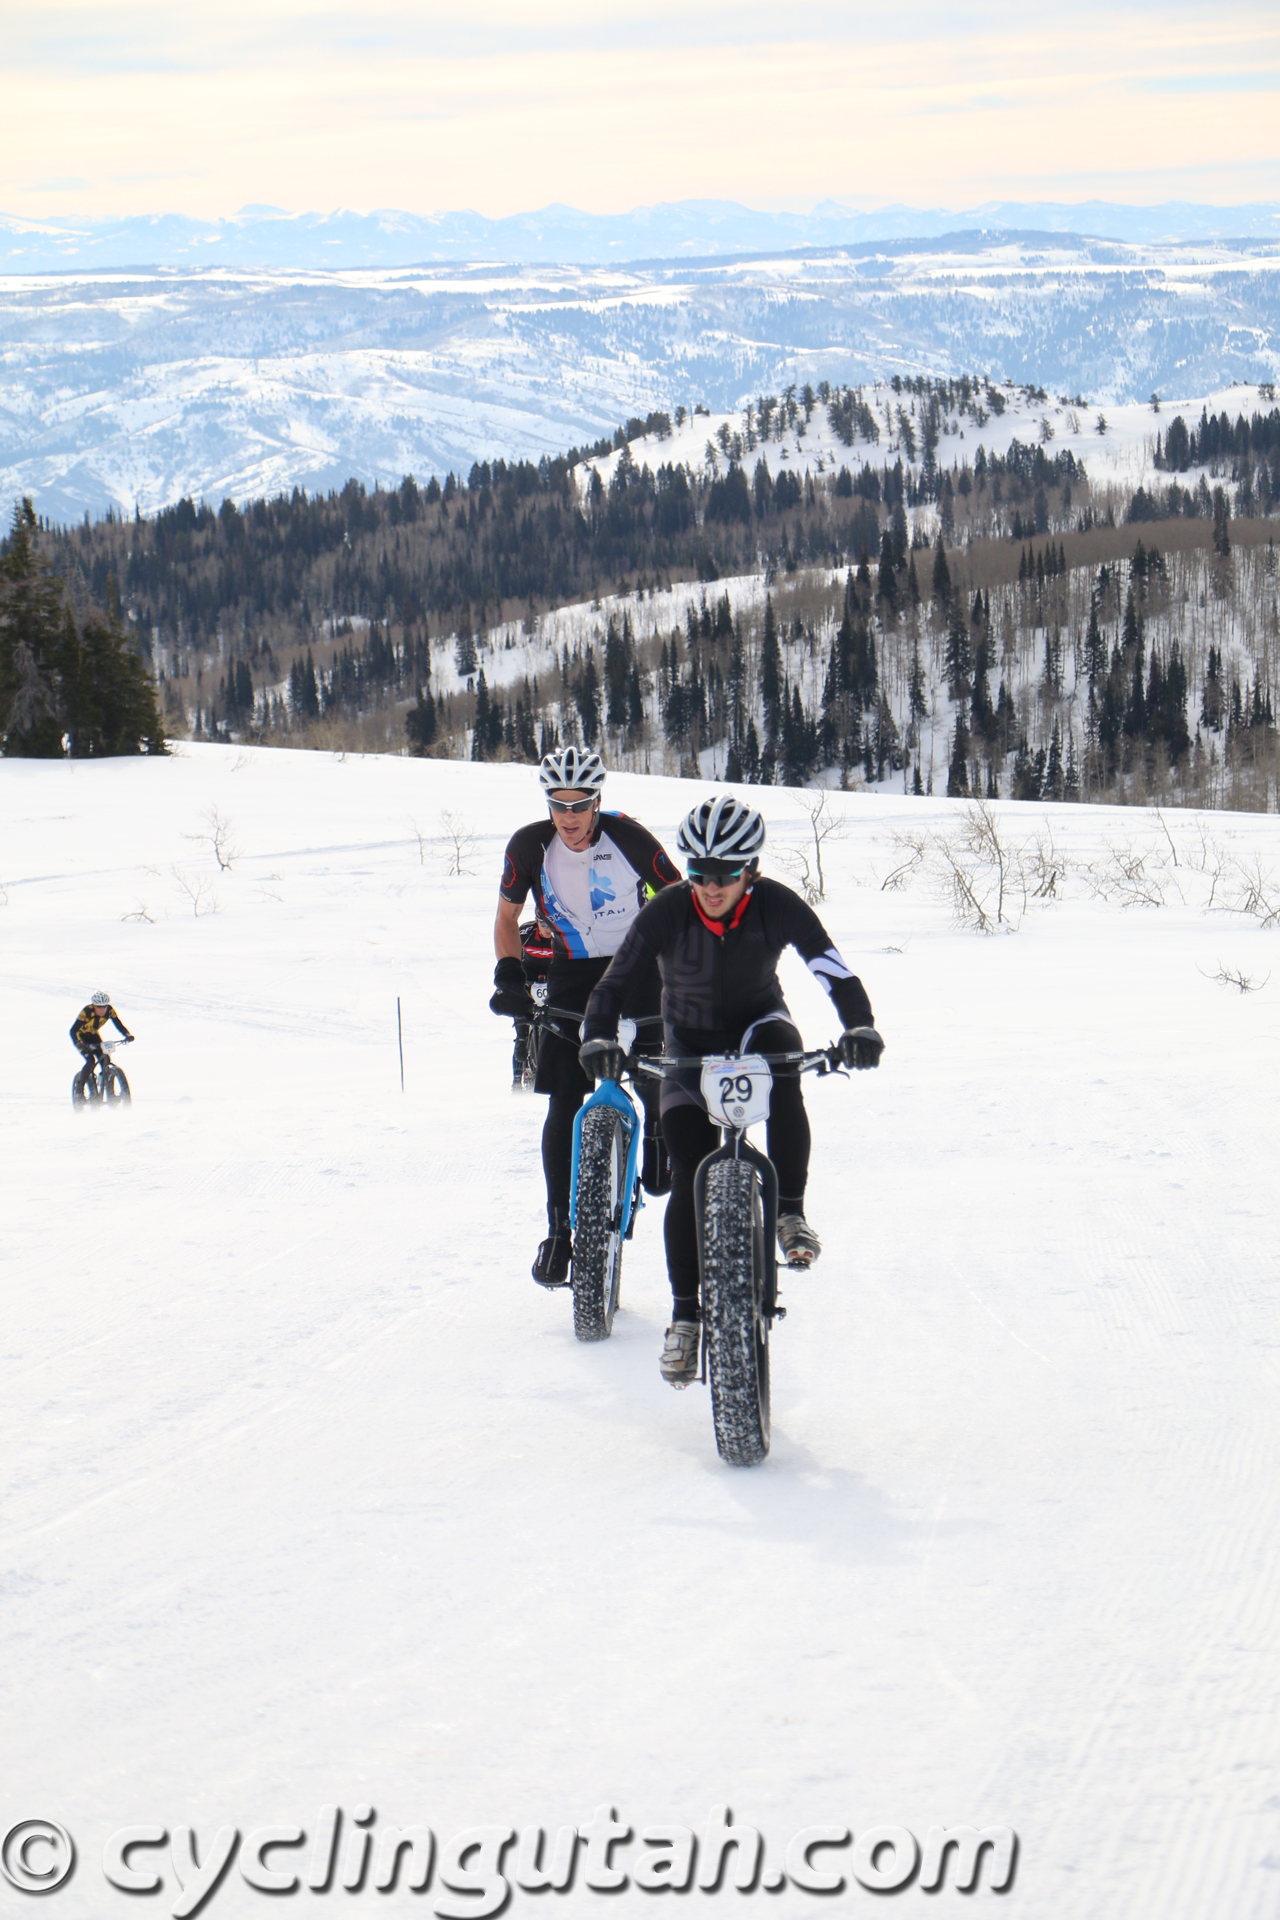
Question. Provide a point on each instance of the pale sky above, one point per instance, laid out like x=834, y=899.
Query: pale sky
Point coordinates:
x=152, y=106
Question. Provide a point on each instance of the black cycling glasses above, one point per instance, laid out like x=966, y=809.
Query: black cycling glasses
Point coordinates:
x=572, y=806
x=716, y=873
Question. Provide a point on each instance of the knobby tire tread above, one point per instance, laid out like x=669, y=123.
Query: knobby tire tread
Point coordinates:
x=597, y=1239
x=732, y=1285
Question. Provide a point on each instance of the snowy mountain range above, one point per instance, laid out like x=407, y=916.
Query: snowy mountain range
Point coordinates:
x=140, y=386
x=556, y=235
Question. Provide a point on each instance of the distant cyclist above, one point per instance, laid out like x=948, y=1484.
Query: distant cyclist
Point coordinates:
x=590, y=874
x=86, y=1030
x=717, y=942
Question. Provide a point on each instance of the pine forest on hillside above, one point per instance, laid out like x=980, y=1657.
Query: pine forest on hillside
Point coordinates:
x=978, y=618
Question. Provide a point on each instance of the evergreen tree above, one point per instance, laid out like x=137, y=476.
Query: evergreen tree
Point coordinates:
x=958, y=658
x=916, y=691
x=1071, y=775
x=480, y=726
x=64, y=688
x=587, y=699
x=1095, y=651
x=1054, y=773
x=941, y=577
x=751, y=754
x=616, y=661
x=420, y=723
x=771, y=680
x=981, y=715
x=464, y=653
x=958, y=771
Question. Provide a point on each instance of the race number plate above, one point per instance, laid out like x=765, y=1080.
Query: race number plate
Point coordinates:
x=736, y=1088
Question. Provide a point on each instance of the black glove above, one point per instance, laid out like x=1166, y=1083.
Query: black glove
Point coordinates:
x=861, y=1047
x=600, y=1059
x=511, y=994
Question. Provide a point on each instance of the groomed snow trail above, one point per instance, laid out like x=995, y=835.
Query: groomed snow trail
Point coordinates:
x=310, y=1496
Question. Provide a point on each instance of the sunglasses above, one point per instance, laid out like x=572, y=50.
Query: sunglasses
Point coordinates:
x=715, y=875
x=572, y=806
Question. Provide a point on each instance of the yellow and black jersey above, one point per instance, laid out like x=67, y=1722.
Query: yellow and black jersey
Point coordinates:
x=90, y=1021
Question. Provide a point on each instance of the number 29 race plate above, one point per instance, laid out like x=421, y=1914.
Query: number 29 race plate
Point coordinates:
x=736, y=1088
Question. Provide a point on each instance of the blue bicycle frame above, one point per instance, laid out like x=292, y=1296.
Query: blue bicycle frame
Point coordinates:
x=609, y=1094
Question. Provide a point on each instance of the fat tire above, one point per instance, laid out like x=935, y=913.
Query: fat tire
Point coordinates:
x=84, y=1090
x=115, y=1089
x=597, y=1238
x=737, y=1332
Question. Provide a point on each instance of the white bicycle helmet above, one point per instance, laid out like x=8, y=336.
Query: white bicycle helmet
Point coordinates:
x=722, y=831
x=571, y=770
x=100, y=999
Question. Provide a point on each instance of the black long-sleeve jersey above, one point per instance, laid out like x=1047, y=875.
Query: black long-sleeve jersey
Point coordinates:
x=720, y=976
x=90, y=1021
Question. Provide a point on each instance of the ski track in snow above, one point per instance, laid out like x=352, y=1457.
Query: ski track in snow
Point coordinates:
x=310, y=1495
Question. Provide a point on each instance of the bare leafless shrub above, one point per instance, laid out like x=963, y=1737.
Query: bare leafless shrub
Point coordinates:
x=1234, y=977
x=911, y=850
x=1131, y=876
x=1044, y=866
x=217, y=836
x=457, y=842
x=1252, y=888
x=1208, y=858
x=804, y=863
x=983, y=874
x=198, y=888
x=140, y=913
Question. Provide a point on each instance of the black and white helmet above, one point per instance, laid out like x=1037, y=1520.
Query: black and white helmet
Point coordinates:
x=721, y=831
x=100, y=999
x=572, y=769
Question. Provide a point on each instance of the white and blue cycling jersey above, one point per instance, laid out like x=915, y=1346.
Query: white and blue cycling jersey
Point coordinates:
x=588, y=899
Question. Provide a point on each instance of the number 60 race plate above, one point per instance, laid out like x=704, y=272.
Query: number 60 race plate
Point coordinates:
x=736, y=1088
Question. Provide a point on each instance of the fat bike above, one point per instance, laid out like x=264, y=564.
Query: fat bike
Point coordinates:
x=102, y=1084
x=735, y=1194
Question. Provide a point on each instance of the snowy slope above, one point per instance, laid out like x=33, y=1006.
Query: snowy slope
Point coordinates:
x=311, y=1497
x=141, y=386
x=1116, y=445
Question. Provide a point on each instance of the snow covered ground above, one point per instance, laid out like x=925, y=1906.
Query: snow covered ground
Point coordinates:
x=310, y=1496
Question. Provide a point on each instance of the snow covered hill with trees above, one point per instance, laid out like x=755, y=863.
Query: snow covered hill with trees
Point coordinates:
x=919, y=585
x=311, y=1498
x=136, y=387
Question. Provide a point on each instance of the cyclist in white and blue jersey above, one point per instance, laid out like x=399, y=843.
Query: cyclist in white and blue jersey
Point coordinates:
x=590, y=874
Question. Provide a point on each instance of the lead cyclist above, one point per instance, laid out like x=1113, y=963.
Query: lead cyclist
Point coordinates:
x=717, y=940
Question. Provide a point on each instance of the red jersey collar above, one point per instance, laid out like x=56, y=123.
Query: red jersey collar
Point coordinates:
x=720, y=927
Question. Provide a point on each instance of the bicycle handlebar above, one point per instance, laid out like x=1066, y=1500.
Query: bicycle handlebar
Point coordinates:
x=823, y=1059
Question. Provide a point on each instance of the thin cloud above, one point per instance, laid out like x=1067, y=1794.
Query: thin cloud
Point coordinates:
x=307, y=102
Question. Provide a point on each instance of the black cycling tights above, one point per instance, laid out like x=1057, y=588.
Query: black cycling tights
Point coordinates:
x=557, y=1148
x=690, y=1137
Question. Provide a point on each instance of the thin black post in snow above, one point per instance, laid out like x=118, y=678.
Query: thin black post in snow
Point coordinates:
x=400, y=1039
